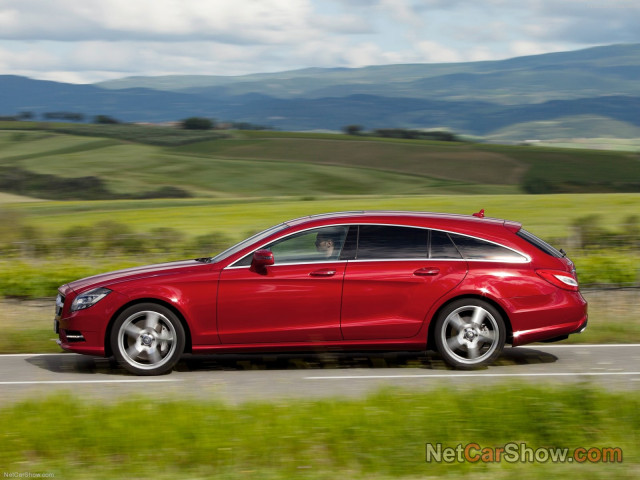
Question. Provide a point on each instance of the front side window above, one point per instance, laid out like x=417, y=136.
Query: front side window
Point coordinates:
x=381, y=242
x=316, y=245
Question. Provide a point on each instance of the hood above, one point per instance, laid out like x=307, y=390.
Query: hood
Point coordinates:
x=109, y=278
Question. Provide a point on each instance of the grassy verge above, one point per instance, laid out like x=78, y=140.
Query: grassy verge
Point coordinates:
x=379, y=437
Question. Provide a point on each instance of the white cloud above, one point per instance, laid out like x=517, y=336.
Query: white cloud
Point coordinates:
x=246, y=21
x=90, y=40
x=433, y=52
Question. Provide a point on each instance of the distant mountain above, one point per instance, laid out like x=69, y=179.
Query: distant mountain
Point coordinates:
x=591, y=72
x=478, y=98
x=20, y=94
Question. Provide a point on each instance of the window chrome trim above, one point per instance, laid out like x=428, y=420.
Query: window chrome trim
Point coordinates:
x=234, y=266
x=275, y=265
x=526, y=258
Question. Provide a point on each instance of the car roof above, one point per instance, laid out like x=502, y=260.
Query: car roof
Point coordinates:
x=392, y=216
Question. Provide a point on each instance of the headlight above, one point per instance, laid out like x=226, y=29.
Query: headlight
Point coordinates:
x=88, y=299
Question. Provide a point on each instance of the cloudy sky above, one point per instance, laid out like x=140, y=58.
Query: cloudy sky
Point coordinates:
x=84, y=41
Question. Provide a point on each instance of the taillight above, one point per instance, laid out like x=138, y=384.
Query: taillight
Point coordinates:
x=560, y=279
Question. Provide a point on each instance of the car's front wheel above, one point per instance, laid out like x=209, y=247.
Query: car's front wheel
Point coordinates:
x=147, y=339
x=469, y=333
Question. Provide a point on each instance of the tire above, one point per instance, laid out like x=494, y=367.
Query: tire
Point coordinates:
x=147, y=339
x=469, y=334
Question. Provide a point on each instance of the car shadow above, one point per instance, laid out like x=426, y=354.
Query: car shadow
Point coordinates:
x=74, y=363
x=81, y=364
x=366, y=360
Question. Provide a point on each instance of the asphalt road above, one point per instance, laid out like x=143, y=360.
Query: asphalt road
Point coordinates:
x=234, y=379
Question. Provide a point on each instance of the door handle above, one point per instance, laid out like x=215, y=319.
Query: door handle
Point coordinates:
x=427, y=271
x=325, y=272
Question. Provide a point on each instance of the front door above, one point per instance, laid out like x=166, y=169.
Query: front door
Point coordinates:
x=295, y=300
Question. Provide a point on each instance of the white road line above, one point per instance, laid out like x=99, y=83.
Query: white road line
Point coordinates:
x=62, y=382
x=36, y=354
x=474, y=375
x=582, y=345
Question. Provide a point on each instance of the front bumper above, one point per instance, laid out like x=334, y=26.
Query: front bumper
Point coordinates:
x=84, y=331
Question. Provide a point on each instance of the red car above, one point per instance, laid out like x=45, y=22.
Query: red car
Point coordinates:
x=463, y=285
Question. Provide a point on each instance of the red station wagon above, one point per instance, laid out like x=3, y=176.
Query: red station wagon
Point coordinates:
x=361, y=281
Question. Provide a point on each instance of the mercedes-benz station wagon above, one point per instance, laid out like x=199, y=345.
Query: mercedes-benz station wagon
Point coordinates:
x=463, y=285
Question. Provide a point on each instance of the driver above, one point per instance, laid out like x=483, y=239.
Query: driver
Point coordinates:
x=327, y=243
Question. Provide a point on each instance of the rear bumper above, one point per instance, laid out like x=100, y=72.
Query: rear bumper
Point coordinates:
x=563, y=315
x=549, y=333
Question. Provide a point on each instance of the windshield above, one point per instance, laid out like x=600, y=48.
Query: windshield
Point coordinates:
x=245, y=243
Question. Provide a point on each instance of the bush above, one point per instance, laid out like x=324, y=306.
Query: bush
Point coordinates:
x=165, y=239
x=437, y=135
x=51, y=187
x=538, y=186
x=209, y=244
x=606, y=269
x=150, y=135
x=105, y=119
x=589, y=234
x=197, y=123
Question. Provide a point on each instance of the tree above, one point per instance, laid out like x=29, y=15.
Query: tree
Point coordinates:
x=352, y=129
x=69, y=116
x=197, y=123
x=105, y=120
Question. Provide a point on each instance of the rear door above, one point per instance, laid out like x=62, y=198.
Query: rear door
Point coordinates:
x=397, y=275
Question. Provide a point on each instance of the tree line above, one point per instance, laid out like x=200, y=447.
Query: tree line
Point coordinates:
x=190, y=123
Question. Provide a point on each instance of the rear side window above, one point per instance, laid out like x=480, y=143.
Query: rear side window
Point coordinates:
x=442, y=248
x=473, y=248
x=389, y=242
x=539, y=243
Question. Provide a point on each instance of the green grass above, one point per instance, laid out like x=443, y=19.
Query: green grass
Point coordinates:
x=380, y=437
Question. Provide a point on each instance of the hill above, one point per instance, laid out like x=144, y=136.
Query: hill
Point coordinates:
x=53, y=165
x=584, y=73
x=480, y=98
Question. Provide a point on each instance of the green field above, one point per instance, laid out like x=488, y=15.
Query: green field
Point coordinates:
x=267, y=164
x=549, y=216
x=383, y=436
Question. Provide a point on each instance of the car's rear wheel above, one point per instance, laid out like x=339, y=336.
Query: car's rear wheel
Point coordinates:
x=147, y=339
x=469, y=333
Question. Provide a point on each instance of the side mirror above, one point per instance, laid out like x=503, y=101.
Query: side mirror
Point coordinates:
x=261, y=260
